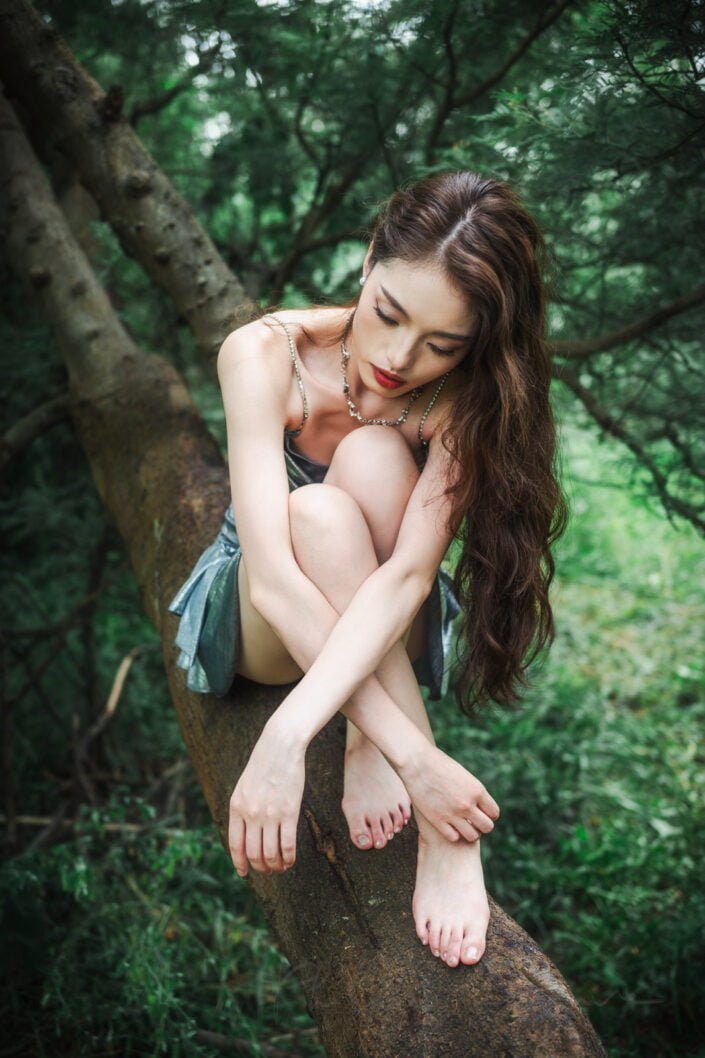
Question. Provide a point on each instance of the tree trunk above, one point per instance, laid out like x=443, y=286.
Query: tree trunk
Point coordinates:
x=342, y=916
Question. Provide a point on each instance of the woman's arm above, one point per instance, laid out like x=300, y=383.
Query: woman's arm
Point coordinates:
x=255, y=377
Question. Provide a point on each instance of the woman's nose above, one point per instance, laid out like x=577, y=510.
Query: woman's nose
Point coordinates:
x=399, y=359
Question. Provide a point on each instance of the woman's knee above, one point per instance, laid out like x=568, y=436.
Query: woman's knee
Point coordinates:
x=321, y=507
x=372, y=456
x=376, y=466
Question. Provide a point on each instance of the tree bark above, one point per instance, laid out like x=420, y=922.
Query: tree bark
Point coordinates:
x=342, y=916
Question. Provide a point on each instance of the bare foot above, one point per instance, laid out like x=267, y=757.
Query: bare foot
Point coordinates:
x=375, y=801
x=450, y=905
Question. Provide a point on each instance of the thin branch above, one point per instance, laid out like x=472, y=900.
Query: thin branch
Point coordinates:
x=611, y=426
x=116, y=690
x=306, y=147
x=111, y=828
x=649, y=86
x=582, y=349
x=314, y=217
x=157, y=103
x=61, y=626
x=669, y=432
x=33, y=425
x=546, y=19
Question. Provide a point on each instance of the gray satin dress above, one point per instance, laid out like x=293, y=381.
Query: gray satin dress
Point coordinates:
x=208, y=636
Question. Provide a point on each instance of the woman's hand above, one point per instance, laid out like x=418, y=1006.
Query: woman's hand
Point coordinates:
x=265, y=804
x=452, y=799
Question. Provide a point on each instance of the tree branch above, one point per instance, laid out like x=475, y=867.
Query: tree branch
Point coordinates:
x=613, y=427
x=583, y=349
x=157, y=103
x=451, y=102
x=31, y=426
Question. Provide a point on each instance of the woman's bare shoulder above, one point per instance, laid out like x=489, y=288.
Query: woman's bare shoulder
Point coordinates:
x=266, y=334
x=254, y=360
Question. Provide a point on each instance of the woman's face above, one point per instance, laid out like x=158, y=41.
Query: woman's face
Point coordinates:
x=411, y=322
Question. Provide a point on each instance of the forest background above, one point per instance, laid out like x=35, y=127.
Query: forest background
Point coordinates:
x=284, y=124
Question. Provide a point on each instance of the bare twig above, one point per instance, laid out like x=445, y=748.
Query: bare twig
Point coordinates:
x=111, y=827
x=451, y=103
x=157, y=103
x=581, y=350
x=649, y=85
x=31, y=426
x=671, y=503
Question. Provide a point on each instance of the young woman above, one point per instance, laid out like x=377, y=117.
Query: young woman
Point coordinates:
x=421, y=413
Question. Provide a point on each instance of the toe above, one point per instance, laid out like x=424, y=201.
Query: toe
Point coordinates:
x=390, y=826
x=360, y=833
x=397, y=820
x=434, y=938
x=379, y=837
x=453, y=948
x=472, y=948
x=421, y=922
x=445, y=941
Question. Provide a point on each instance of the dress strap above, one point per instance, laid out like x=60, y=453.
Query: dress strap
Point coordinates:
x=295, y=361
x=439, y=387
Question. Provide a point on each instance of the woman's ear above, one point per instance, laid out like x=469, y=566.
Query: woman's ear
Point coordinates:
x=366, y=264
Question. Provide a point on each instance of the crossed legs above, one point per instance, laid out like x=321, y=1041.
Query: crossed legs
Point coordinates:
x=341, y=531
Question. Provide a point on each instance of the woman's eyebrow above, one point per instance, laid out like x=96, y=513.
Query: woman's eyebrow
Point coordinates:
x=442, y=334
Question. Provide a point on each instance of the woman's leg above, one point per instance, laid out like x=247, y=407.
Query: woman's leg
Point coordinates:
x=337, y=549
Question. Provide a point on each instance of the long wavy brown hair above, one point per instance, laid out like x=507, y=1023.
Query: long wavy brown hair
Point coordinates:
x=507, y=505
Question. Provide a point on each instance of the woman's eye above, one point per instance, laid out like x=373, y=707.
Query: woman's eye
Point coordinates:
x=443, y=352
x=387, y=319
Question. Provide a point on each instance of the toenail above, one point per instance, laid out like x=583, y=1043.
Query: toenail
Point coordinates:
x=363, y=839
x=452, y=961
x=379, y=844
x=390, y=835
x=443, y=955
x=436, y=951
x=471, y=953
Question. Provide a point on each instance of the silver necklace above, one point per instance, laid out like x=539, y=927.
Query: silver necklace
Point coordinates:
x=355, y=414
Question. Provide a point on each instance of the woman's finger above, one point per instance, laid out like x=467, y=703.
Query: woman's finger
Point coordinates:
x=288, y=842
x=449, y=832
x=253, y=846
x=466, y=829
x=236, y=843
x=481, y=821
x=270, y=847
x=488, y=805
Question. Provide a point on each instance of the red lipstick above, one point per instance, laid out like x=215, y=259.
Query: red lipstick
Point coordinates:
x=387, y=380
